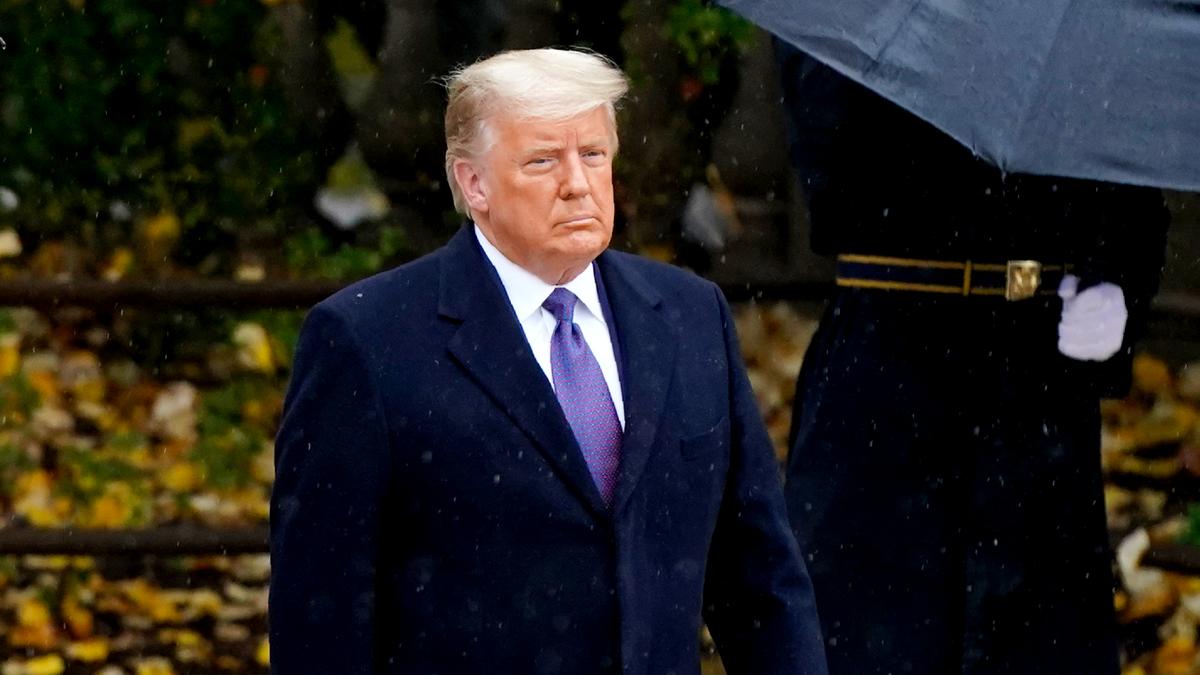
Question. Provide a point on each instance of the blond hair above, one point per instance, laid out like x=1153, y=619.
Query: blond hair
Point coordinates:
x=529, y=84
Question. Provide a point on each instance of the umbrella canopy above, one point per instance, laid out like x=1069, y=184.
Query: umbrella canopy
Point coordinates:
x=1100, y=89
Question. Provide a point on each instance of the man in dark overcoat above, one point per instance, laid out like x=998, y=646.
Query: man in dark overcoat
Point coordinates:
x=525, y=454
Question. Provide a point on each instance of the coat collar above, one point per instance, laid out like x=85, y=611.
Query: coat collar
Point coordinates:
x=490, y=345
x=646, y=342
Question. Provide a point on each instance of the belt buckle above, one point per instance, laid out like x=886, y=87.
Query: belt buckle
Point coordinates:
x=1022, y=279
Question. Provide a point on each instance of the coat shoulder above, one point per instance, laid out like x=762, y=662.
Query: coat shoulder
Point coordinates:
x=399, y=286
x=407, y=288
x=668, y=280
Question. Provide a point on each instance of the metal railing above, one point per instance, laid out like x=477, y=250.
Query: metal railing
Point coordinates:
x=161, y=540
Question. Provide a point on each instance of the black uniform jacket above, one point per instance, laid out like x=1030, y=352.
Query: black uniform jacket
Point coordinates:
x=880, y=181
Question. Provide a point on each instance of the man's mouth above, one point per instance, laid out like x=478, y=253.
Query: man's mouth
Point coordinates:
x=579, y=220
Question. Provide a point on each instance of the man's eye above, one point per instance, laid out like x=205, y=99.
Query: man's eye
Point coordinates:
x=539, y=161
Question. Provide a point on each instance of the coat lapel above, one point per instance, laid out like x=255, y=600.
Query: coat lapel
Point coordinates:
x=647, y=346
x=491, y=346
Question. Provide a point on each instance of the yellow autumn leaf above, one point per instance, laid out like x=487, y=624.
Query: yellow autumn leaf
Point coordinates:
x=1120, y=601
x=33, y=613
x=253, y=410
x=54, y=563
x=92, y=391
x=251, y=501
x=78, y=618
x=60, y=508
x=253, y=347
x=40, y=516
x=263, y=653
x=162, y=227
x=89, y=651
x=42, y=637
x=10, y=243
x=163, y=611
x=1175, y=656
x=51, y=664
x=33, y=626
x=103, y=417
x=347, y=53
x=658, y=252
x=30, y=482
x=82, y=373
x=109, y=511
x=45, y=384
x=151, y=601
x=1151, y=375
x=181, y=637
x=203, y=602
x=262, y=467
x=118, y=265
x=32, y=499
x=180, y=477
x=1188, y=585
x=154, y=666
x=10, y=354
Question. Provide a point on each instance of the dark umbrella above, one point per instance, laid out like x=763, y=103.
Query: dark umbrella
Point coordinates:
x=1100, y=89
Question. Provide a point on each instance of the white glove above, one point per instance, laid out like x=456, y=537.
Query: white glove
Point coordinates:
x=1093, y=322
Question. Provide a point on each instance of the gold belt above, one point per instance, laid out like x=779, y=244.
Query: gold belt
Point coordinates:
x=1013, y=280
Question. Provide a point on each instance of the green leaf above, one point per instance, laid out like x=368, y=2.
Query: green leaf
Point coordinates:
x=1191, y=533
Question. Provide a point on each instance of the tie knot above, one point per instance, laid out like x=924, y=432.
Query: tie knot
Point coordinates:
x=561, y=304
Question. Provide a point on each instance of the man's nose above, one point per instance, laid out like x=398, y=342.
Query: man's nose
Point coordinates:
x=574, y=181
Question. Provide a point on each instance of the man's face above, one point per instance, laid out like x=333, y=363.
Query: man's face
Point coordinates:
x=543, y=193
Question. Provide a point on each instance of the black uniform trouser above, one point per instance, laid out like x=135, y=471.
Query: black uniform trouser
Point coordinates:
x=944, y=484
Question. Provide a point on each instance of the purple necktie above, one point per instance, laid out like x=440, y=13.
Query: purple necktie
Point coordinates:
x=583, y=394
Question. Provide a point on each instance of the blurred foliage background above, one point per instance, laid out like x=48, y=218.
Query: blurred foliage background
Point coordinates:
x=237, y=138
x=247, y=140
x=153, y=129
x=281, y=139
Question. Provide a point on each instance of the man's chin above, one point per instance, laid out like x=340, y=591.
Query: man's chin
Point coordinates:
x=578, y=252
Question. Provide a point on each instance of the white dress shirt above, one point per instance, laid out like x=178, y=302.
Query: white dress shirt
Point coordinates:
x=526, y=293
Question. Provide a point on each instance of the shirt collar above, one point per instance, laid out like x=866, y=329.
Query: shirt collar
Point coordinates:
x=526, y=292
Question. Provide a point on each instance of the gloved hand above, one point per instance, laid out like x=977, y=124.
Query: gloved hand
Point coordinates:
x=1092, y=327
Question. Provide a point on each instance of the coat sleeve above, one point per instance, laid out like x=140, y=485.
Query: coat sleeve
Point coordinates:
x=758, y=600
x=1127, y=247
x=332, y=465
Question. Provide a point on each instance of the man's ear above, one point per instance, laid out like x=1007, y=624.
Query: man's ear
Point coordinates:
x=470, y=182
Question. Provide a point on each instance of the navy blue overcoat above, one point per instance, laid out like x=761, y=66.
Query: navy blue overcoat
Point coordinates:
x=433, y=514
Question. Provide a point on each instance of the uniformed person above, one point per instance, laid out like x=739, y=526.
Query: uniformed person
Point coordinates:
x=944, y=475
